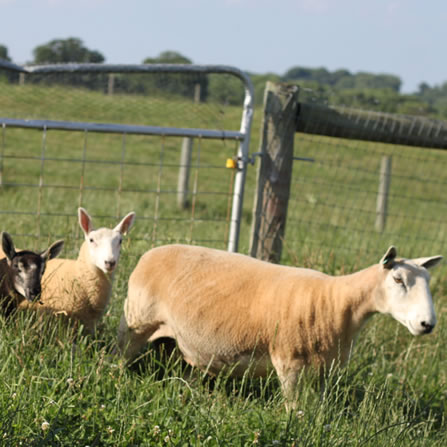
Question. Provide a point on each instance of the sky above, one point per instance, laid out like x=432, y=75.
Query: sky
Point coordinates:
x=401, y=37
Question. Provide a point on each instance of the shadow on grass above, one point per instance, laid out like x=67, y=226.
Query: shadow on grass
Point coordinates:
x=163, y=359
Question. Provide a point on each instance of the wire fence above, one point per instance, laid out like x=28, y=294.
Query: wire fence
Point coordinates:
x=112, y=141
x=352, y=198
x=337, y=207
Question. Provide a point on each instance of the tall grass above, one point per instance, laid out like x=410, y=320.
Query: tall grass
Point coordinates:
x=58, y=387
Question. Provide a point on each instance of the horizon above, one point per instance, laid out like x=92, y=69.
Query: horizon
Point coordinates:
x=257, y=36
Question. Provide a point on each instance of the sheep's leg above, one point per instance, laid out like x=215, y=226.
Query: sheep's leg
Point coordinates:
x=288, y=376
x=130, y=340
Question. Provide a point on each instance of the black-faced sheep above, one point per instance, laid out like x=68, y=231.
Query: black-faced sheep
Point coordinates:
x=21, y=273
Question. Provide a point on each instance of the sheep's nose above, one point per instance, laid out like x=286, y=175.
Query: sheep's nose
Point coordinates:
x=32, y=294
x=110, y=265
x=427, y=327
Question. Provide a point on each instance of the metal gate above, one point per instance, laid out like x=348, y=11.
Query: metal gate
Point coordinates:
x=112, y=85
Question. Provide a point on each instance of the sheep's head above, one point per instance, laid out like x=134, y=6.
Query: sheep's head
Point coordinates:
x=406, y=294
x=26, y=267
x=104, y=244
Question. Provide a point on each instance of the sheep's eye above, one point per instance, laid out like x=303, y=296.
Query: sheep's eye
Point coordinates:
x=91, y=240
x=398, y=280
x=120, y=242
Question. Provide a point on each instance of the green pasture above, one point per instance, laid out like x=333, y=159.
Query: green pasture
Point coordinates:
x=59, y=388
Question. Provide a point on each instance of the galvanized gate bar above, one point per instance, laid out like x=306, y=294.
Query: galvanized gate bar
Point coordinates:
x=123, y=128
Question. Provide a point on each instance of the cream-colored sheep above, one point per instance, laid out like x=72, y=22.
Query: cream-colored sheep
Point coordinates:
x=227, y=309
x=81, y=288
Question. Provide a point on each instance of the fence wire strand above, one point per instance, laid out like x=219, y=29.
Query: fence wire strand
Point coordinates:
x=334, y=201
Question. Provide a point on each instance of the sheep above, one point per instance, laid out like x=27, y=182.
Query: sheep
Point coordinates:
x=230, y=310
x=80, y=289
x=21, y=273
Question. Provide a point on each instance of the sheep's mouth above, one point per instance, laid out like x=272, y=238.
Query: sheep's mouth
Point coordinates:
x=32, y=296
x=29, y=294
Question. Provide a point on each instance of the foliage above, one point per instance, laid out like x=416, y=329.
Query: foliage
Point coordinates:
x=4, y=53
x=435, y=97
x=168, y=57
x=163, y=84
x=60, y=51
x=71, y=50
x=343, y=79
x=379, y=92
x=7, y=75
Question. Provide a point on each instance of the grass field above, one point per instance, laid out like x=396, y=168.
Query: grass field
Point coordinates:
x=59, y=388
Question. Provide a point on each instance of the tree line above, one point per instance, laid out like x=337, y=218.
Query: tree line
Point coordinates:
x=379, y=92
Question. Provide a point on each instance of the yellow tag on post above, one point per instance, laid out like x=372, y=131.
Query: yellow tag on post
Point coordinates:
x=231, y=164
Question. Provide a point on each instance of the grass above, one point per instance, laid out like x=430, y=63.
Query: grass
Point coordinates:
x=59, y=388
x=56, y=392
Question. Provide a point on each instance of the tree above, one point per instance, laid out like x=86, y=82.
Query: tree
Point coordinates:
x=176, y=84
x=299, y=74
x=7, y=75
x=59, y=51
x=368, y=80
x=64, y=51
x=4, y=53
x=168, y=57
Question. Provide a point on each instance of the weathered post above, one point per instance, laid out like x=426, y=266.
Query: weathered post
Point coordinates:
x=382, y=196
x=185, y=163
x=111, y=84
x=274, y=172
x=183, y=173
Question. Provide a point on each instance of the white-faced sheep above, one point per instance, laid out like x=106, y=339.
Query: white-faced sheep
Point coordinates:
x=80, y=289
x=225, y=309
x=21, y=273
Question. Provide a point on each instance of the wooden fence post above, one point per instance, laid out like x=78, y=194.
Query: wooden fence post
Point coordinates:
x=382, y=195
x=183, y=173
x=185, y=162
x=274, y=171
x=111, y=84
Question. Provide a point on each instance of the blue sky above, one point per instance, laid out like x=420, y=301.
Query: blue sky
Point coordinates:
x=401, y=37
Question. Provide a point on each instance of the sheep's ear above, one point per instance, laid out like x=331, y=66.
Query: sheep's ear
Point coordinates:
x=388, y=258
x=8, y=246
x=428, y=263
x=126, y=224
x=85, y=221
x=53, y=250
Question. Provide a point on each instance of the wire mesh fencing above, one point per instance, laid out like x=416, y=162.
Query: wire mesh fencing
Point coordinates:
x=351, y=196
x=112, y=141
